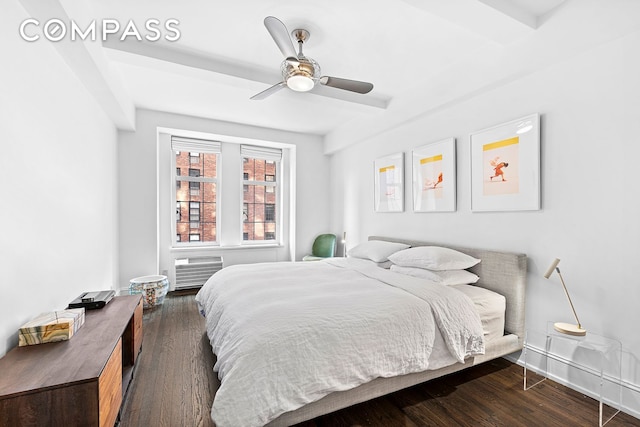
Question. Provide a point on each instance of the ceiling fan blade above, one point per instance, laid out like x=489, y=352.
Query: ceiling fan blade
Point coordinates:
x=346, y=84
x=280, y=35
x=267, y=92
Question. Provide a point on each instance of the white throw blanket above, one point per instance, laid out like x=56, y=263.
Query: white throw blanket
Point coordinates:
x=287, y=334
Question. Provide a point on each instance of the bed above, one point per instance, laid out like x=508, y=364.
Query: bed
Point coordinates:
x=257, y=375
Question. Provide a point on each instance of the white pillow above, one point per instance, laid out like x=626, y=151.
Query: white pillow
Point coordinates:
x=376, y=250
x=433, y=258
x=448, y=278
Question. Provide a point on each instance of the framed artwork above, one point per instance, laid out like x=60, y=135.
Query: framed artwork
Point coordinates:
x=434, y=177
x=389, y=183
x=505, y=166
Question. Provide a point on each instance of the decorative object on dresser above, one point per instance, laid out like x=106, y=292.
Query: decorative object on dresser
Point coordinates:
x=152, y=288
x=79, y=382
x=51, y=327
x=565, y=328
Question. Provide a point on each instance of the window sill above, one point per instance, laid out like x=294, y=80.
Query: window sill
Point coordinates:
x=224, y=248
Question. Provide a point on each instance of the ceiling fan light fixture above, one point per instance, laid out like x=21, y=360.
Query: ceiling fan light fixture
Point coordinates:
x=300, y=73
x=300, y=83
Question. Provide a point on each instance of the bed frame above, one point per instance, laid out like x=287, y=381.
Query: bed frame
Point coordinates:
x=501, y=272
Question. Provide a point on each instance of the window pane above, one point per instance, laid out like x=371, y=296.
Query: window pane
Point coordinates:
x=195, y=200
x=196, y=218
x=258, y=170
x=270, y=212
x=259, y=199
x=196, y=164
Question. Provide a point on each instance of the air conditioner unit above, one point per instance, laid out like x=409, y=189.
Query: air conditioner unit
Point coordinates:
x=193, y=272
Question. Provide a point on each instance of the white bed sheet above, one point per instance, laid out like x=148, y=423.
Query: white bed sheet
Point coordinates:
x=491, y=307
x=322, y=327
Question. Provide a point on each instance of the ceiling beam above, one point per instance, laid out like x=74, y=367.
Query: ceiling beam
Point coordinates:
x=497, y=20
x=225, y=67
x=87, y=60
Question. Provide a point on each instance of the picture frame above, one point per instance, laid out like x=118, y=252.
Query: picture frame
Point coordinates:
x=505, y=166
x=434, y=176
x=389, y=183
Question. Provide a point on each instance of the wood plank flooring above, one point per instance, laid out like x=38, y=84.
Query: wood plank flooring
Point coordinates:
x=174, y=385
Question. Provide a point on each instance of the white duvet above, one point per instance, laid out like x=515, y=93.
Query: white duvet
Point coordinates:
x=287, y=334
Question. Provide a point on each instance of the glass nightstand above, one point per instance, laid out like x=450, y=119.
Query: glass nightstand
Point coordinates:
x=591, y=363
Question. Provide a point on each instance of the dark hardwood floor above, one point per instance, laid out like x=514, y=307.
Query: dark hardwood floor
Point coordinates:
x=174, y=385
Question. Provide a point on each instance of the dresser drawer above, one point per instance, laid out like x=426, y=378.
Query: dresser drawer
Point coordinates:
x=110, y=388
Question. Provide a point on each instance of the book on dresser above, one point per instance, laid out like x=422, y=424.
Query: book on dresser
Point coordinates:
x=77, y=382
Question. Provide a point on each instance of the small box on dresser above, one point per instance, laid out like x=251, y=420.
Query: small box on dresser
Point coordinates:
x=51, y=327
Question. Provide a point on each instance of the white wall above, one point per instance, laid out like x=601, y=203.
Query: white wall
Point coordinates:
x=138, y=190
x=58, y=166
x=590, y=199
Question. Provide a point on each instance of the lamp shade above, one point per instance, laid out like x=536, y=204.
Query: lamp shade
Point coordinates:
x=552, y=267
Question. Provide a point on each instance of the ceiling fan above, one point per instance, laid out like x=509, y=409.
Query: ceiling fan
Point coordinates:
x=301, y=73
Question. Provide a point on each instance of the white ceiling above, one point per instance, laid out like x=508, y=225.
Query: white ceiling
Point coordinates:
x=419, y=54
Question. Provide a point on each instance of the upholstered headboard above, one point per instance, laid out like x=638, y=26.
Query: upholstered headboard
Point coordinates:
x=501, y=272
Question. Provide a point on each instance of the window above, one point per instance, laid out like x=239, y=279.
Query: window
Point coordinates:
x=260, y=185
x=196, y=163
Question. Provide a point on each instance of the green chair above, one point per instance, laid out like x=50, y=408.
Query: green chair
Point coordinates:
x=323, y=247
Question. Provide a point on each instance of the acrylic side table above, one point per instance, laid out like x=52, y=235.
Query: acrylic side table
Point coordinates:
x=600, y=358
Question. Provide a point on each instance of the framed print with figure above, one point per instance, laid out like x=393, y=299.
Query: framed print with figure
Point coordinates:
x=505, y=166
x=389, y=183
x=434, y=177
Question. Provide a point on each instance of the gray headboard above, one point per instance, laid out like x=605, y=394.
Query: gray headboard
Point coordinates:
x=501, y=272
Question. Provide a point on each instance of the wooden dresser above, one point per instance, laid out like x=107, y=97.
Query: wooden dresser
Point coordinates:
x=79, y=382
